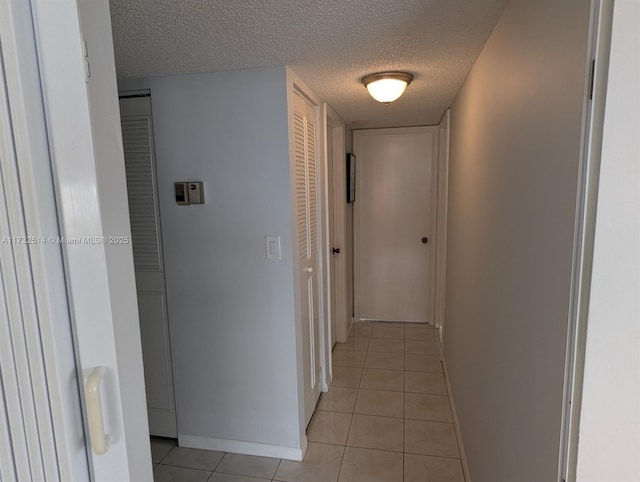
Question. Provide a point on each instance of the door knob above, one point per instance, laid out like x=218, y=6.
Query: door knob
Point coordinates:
x=309, y=270
x=425, y=240
x=335, y=250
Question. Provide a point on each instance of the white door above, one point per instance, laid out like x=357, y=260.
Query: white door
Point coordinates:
x=41, y=425
x=394, y=229
x=137, y=141
x=306, y=196
x=78, y=105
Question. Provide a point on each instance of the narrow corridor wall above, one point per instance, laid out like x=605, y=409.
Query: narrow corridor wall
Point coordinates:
x=515, y=147
x=231, y=310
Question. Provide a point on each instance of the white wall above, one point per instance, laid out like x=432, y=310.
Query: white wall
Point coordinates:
x=609, y=440
x=231, y=310
x=515, y=146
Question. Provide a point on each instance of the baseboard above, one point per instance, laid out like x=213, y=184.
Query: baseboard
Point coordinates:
x=241, y=447
x=381, y=320
x=456, y=424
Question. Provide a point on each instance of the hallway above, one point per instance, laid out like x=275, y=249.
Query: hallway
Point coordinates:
x=386, y=418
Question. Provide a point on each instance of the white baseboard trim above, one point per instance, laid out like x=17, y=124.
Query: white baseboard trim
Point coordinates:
x=241, y=447
x=381, y=320
x=456, y=424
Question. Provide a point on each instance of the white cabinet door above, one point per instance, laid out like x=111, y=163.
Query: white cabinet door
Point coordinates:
x=306, y=199
x=41, y=426
x=65, y=199
x=395, y=232
x=80, y=108
x=137, y=140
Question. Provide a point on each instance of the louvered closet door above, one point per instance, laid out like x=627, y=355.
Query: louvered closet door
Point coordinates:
x=137, y=139
x=307, y=226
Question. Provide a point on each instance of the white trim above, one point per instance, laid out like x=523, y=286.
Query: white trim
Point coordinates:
x=433, y=234
x=241, y=447
x=335, y=127
x=380, y=320
x=456, y=424
x=444, y=135
x=584, y=233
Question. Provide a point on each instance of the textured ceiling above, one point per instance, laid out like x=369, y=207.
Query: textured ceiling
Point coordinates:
x=330, y=44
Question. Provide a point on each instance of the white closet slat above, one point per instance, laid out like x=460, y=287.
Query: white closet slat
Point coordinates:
x=313, y=187
x=301, y=185
x=136, y=140
x=306, y=180
x=7, y=463
x=25, y=394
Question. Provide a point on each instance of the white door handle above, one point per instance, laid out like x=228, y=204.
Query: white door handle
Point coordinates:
x=99, y=440
x=309, y=270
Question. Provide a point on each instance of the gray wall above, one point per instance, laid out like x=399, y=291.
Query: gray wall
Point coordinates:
x=231, y=310
x=515, y=145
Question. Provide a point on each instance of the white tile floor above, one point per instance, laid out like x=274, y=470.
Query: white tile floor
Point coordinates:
x=386, y=418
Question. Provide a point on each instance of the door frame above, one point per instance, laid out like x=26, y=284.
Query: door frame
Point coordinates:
x=335, y=127
x=436, y=207
x=444, y=133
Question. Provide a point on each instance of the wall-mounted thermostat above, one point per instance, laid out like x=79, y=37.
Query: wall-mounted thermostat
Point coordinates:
x=189, y=193
x=196, y=192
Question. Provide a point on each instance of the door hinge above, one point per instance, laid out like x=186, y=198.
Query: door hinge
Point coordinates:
x=87, y=67
x=592, y=75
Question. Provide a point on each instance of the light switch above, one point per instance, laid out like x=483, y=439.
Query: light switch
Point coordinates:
x=272, y=245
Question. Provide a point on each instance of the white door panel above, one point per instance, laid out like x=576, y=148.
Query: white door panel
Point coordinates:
x=154, y=347
x=137, y=139
x=306, y=198
x=41, y=427
x=69, y=175
x=394, y=202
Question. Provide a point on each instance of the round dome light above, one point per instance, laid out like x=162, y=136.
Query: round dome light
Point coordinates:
x=386, y=87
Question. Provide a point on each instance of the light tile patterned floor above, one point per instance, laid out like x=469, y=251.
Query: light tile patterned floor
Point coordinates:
x=386, y=418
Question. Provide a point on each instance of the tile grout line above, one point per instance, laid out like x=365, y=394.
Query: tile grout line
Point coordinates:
x=344, y=452
x=279, y=463
x=404, y=371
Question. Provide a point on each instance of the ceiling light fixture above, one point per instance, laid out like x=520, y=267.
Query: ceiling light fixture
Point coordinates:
x=386, y=87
